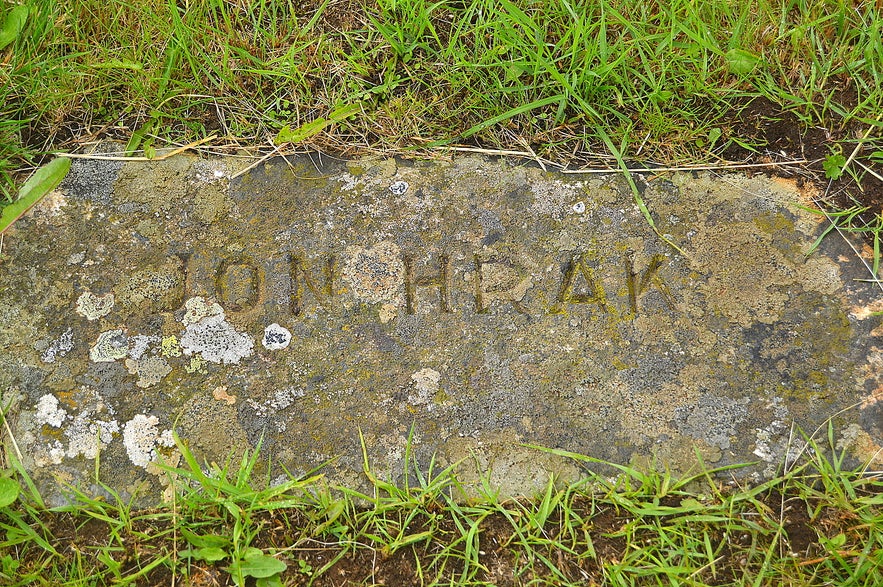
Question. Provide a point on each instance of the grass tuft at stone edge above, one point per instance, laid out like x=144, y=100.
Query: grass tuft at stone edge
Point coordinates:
x=815, y=523
x=569, y=81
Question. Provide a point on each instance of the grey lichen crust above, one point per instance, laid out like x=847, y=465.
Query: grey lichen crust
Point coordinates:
x=468, y=307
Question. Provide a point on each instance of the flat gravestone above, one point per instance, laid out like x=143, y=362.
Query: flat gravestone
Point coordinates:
x=461, y=309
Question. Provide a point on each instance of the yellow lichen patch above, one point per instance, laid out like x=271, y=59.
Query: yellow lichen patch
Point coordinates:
x=169, y=347
x=197, y=364
x=772, y=223
x=747, y=274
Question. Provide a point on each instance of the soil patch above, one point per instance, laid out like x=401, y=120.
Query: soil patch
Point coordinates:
x=782, y=135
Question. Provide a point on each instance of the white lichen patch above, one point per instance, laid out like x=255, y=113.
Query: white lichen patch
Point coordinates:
x=76, y=258
x=88, y=437
x=197, y=308
x=425, y=386
x=276, y=337
x=349, y=182
x=59, y=347
x=141, y=437
x=150, y=370
x=88, y=432
x=217, y=340
x=773, y=441
x=50, y=454
x=399, y=187
x=49, y=412
x=281, y=399
x=111, y=346
x=139, y=345
x=93, y=307
x=209, y=172
x=50, y=205
x=375, y=274
x=551, y=197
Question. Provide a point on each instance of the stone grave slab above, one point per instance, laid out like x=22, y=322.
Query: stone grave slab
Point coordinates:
x=462, y=308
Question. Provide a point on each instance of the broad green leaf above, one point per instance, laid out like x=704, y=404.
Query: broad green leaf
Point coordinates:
x=836, y=542
x=9, y=489
x=741, y=62
x=210, y=554
x=713, y=135
x=41, y=183
x=274, y=581
x=334, y=512
x=257, y=566
x=138, y=136
x=305, y=131
x=205, y=540
x=833, y=165
x=13, y=25
x=410, y=539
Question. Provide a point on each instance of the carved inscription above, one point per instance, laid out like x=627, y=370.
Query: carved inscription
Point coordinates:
x=636, y=285
x=302, y=281
x=577, y=268
x=238, y=284
x=440, y=280
x=506, y=287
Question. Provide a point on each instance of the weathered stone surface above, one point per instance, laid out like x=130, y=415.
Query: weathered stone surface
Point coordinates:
x=474, y=305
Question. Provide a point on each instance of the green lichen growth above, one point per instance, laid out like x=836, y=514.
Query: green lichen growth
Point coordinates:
x=774, y=223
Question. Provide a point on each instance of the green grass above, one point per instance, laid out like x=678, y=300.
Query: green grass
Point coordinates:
x=573, y=81
x=818, y=523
